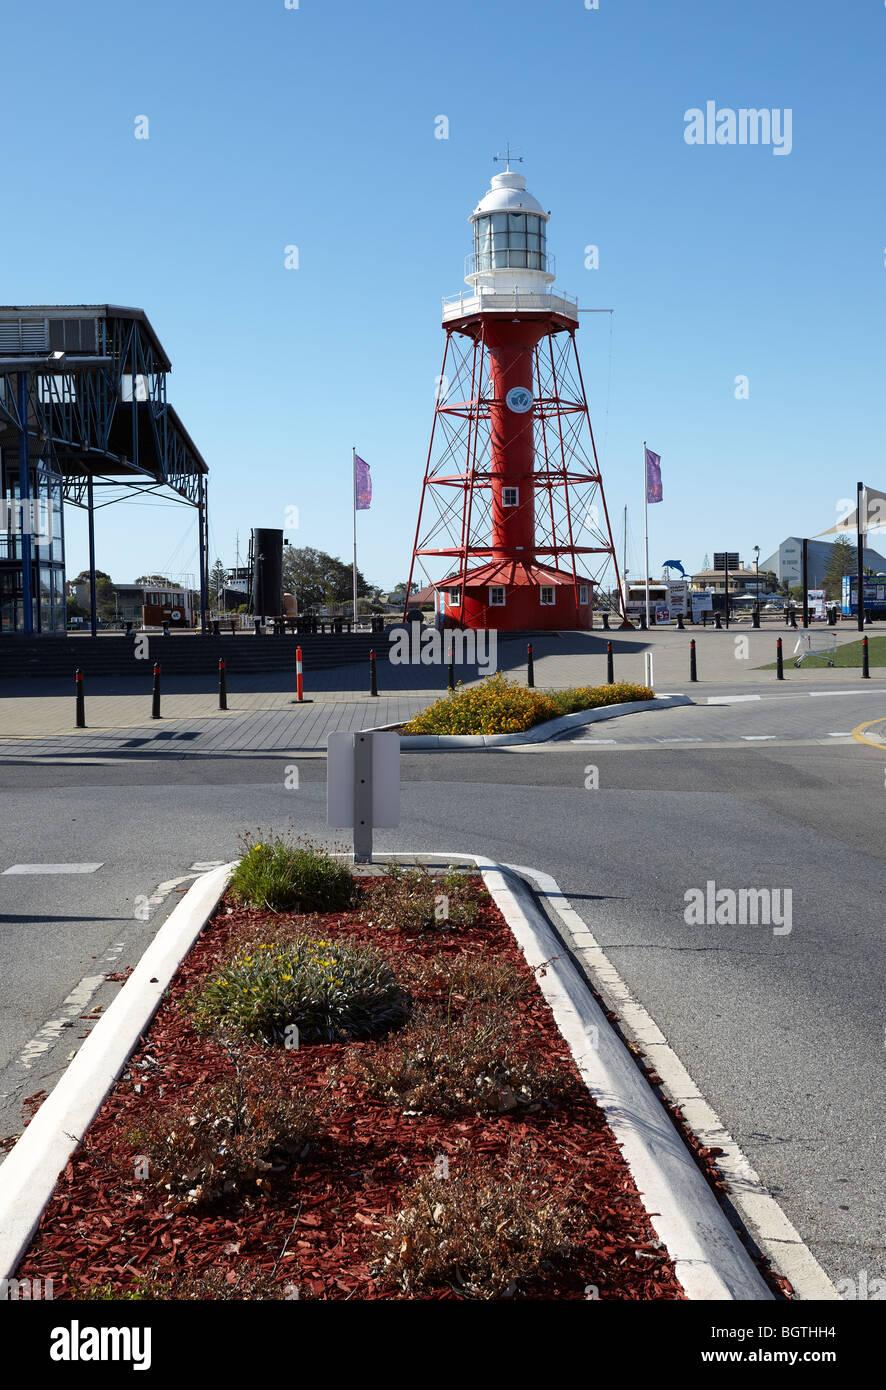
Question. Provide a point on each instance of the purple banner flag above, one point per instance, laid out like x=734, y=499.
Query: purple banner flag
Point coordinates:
x=653, y=476
x=362, y=484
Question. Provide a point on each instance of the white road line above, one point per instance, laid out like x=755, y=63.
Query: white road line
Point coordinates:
x=756, y=738
x=595, y=740
x=817, y=694
x=52, y=869
x=841, y=735
x=730, y=699
x=678, y=740
x=74, y=1004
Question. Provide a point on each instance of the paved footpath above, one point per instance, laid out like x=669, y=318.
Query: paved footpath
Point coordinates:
x=37, y=717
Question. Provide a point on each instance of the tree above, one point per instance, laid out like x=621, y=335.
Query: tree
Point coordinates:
x=83, y=577
x=316, y=578
x=843, y=560
x=155, y=581
x=217, y=580
x=75, y=609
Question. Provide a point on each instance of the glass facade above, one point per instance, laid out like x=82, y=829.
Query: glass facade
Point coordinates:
x=42, y=518
x=510, y=240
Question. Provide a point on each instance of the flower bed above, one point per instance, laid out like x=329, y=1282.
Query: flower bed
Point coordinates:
x=502, y=706
x=445, y=1147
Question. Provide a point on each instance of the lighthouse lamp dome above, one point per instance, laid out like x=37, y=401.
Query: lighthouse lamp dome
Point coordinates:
x=509, y=236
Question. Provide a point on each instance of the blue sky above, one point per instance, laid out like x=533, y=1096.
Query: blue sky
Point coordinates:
x=315, y=127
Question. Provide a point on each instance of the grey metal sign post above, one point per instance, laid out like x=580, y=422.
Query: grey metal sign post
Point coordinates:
x=363, y=786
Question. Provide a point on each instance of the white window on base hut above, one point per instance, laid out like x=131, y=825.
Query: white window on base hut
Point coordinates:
x=582, y=594
x=546, y=595
x=496, y=596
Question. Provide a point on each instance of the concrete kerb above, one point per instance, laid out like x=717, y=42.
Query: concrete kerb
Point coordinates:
x=755, y=1209
x=710, y=1261
x=31, y=1169
x=551, y=729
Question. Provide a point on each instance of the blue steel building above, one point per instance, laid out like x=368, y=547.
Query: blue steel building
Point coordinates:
x=83, y=414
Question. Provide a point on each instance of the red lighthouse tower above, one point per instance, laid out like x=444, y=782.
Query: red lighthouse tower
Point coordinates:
x=512, y=499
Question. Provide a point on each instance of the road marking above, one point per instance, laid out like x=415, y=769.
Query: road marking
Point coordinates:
x=52, y=869
x=817, y=694
x=75, y=1003
x=841, y=735
x=875, y=740
x=595, y=740
x=756, y=738
x=730, y=699
x=678, y=740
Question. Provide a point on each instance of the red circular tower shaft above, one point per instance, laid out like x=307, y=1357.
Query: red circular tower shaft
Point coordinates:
x=512, y=438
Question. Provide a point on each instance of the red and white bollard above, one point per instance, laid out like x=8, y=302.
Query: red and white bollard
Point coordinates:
x=299, y=686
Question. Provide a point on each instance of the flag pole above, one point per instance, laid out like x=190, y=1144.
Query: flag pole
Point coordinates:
x=860, y=507
x=646, y=529
x=354, y=499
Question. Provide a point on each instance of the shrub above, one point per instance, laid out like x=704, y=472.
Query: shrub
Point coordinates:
x=483, y=1235
x=467, y=981
x=447, y=1065
x=414, y=900
x=233, y=1138
x=329, y=990
x=501, y=706
x=283, y=874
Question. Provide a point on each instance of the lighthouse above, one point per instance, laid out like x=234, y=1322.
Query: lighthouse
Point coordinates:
x=512, y=506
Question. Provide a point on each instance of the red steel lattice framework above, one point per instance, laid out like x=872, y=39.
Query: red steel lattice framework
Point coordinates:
x=566, y=521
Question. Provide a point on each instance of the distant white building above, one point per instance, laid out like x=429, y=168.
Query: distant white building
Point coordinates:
x=787, y=561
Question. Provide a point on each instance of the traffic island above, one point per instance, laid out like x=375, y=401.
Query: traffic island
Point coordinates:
x=320, y=1096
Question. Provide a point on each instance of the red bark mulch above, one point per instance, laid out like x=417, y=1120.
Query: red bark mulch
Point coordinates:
x=102, y=1225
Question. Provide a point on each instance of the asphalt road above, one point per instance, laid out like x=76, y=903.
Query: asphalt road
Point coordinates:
x=783, y=1032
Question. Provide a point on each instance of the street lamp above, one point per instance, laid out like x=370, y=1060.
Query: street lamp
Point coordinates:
x=756, y=586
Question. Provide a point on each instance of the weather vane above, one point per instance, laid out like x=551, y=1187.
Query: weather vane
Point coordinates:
x=507, y=156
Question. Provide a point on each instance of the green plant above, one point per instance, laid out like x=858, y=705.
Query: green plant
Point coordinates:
x=282, y=874
x=498, y=705
x=482, y=1234
x=415, y=900
x=232, y=1138
x=447, y=1064
x=327, y=990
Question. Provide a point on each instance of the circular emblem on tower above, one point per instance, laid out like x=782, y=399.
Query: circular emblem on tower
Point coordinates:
x=519, y=399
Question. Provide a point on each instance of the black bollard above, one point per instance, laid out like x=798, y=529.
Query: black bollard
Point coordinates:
x=233, y=627
x=681, y=627
x=155, y=703
x=693, y=669
x=166, y=629
x=865, y=660
x=756, y=617
x=717, y=622
x=451, y=681
x=80, y=720
x=610, y=665
x=222, y=686
x=605, y=622
x=779, y=661
x=258, y=627
x=530, y=667
x=794, y=621
x=642, y=621
x=373, y=678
